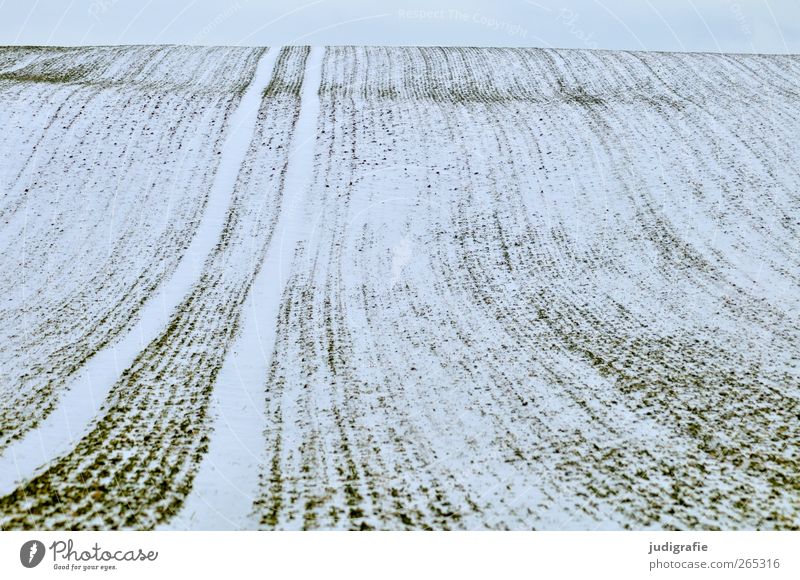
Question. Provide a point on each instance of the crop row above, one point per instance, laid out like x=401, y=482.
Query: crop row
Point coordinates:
x=136, y=465
x=103, y=185
x=558, y=294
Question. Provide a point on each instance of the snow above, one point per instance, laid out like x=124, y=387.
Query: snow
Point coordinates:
x=448, y=288
x=227, y=482
x=134, y=199
x=89, y=389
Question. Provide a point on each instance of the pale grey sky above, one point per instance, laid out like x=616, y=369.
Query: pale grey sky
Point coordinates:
x=695, y=25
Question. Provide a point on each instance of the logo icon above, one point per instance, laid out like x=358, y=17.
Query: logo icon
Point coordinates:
x=31, y=553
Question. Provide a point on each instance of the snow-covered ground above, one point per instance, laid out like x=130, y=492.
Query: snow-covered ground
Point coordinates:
x=399, y=288
x=117, y=174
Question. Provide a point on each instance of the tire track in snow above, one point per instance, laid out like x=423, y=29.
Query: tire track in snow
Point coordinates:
x=122, y=175
x=81, y=404
x=122, y=178
x=563, y=348
x=522, y=371
x=227, y=483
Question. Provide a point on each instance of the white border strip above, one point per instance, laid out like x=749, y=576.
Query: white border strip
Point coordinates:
x=506, y=555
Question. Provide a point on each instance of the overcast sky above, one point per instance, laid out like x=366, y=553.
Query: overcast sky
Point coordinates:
x=768, y=26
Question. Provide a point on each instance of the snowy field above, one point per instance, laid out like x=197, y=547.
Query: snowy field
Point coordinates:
x=398, y=288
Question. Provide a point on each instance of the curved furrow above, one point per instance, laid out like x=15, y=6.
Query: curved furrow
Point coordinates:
x=572, y=330
x=121, y=177
x=136, y=465
x=512, y=288
x=512, y=304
